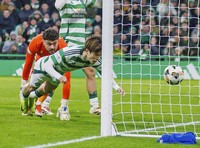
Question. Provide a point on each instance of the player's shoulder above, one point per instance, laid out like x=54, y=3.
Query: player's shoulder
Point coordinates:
x=36, y=42
x=37, y=39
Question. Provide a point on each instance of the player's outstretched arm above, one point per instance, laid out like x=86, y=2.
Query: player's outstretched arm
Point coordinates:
x=49, y=68
x=118, y=88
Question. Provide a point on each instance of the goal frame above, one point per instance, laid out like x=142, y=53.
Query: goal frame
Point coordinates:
x=107, y=126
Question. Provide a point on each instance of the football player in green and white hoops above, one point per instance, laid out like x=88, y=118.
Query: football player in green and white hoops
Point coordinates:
x=48, y=71
x=72, y=29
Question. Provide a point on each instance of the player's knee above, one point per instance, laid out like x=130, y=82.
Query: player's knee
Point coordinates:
x=89, y=72
x=29, y=88
x=47, y=89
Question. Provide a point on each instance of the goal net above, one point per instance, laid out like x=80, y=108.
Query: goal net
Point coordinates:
x=148, y=36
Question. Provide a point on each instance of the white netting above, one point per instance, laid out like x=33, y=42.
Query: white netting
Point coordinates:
x=149, y=35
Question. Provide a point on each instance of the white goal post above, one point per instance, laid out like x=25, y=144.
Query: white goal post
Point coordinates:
x=151, y=107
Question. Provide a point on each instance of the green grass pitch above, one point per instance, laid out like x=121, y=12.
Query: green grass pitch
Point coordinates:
x=17, y=131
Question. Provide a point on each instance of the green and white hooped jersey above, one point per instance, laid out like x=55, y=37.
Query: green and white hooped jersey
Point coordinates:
x=73, y=19
x=64, y=60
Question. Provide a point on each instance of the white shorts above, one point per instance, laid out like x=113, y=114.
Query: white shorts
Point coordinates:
x=38, y=77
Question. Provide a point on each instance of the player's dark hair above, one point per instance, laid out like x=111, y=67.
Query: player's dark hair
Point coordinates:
x=94, y=44
x=50, y=34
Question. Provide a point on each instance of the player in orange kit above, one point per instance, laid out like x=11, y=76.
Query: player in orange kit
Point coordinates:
x=43, y=44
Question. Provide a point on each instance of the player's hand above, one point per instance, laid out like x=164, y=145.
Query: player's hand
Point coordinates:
x=121, y=91
x=23, y=82
x=63, y=79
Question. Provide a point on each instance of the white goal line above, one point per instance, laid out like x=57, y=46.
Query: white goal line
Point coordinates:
x=64, y=142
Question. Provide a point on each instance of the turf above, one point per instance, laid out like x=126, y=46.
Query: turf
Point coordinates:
x=17, y=131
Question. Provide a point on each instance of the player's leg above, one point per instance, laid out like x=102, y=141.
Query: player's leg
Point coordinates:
x=63, y=111
x=24, y=100
x=46, y=88
x=92, y=90
x=46, y=103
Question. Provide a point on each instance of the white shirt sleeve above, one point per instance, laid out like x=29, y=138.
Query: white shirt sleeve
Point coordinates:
x=48, y=67
x=59, y=4
x=115, y=85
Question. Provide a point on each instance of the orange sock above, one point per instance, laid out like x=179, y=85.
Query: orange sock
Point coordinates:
x=66, y=86
x=42, y=98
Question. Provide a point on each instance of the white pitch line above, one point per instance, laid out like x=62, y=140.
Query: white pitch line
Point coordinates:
x=64, y=142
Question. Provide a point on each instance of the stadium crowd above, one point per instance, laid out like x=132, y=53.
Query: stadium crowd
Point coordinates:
x=141, y=27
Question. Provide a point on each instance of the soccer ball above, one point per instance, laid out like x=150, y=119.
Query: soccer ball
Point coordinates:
x=173, y=74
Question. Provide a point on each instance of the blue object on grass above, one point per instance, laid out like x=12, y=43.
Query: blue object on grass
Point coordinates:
x=183, y=138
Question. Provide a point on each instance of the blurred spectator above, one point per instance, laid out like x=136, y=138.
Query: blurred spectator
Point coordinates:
x=175, y=21
x=170, y=48
x=4, y=5
x=57, y=23
x=184, y=43
x=183, y=8
x=45, y=23
x=117, y=18
x=50, y=3
x=19, y=46
x=154, y=28
x=55, y=16
x=116, y=49
x=89, y=27
x=194, y=18
x=135, y=10
x=164, y=9
x=37, y=15
x=8, y=44
x=126, y=6
x=97, y=21
x=97, y=30
x=150, y=14
x=133, y=35
x=145, y=52
x=25, y=12
x=127, y=22
x=19, y=4
x=145, y=33
x=35, y=4
x=125, y=44
x=6, y=22
x=13, y=13
x=19, y=29
x=45, y=9
x=117, y=4
x=144, y=6
x=31, y=31
x=116, y=35
x=154, y=47
x=135, y=48
x=178, y=53
x=164, y=37
x=196, y=31
x=194, y=45
x=184, y=29
x=184, y=16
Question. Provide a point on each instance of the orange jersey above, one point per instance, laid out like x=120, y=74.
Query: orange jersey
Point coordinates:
x=37, y=50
